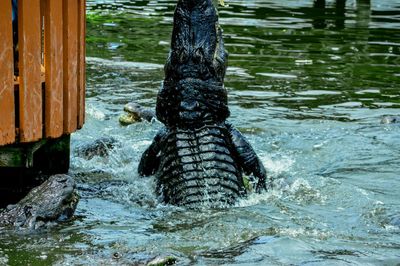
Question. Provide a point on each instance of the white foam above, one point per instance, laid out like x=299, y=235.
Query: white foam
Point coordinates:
x=123, y=64
x=95, y=113
x=277, y=167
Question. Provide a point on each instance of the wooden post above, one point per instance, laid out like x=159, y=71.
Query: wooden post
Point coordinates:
x=70, y=17
x=7, y=107
x=53, y=59
x=82, y=65
x=51, y=99
x=30, y=88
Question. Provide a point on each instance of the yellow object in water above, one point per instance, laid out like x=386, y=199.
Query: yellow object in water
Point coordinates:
x=127, y=119
x=219, y=2
x=247, y=184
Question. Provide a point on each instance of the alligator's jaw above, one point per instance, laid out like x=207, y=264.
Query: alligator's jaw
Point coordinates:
x=197, y=49
x=193, y=91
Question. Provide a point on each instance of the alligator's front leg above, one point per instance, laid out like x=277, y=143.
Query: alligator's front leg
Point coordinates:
x=150, y=160
x=247, y=157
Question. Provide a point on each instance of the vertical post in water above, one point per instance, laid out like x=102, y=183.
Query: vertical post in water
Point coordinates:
x=70, y=25
x=82, y=65
x=319, y=14
x=340, y=14
x=53, y=59
x=30, y=88
x=7, y=106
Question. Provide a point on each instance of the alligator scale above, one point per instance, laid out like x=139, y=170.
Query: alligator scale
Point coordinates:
x=198, y=157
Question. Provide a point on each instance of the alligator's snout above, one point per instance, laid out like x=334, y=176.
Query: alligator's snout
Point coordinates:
x=197, y=48
x=190, y=4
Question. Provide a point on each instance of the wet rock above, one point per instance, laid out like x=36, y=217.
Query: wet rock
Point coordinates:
x=100, y=147
x=53, y=201
x=136, y=113
x=390, y=120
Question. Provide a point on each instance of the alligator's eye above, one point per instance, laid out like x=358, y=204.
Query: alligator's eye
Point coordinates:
x=183, y=55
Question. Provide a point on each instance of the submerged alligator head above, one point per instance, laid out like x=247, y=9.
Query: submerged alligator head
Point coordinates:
x=198, y=157
x=388, y=119
x=54, y=200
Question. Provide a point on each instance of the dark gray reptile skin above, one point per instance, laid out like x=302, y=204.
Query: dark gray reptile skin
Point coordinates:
x=198, y=158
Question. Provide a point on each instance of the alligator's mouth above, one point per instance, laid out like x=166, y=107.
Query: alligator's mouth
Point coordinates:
x=197, y=48
x=66, y=200
x=68, y=206
x=60, y=202
x=193, y=90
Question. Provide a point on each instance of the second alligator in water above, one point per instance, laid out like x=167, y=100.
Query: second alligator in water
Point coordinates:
x=135, y=113
x=54, y=200
x=198, y=157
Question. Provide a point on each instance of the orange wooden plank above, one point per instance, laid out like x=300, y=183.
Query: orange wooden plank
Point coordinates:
x=53, y=60
x=30, y=89
x=7, y=109
x=82, y=65
x=70, y=99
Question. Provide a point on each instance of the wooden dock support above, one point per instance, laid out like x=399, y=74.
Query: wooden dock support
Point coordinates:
x=53, y=62
x=43, y=101
x=7, y=105
x=30, y=85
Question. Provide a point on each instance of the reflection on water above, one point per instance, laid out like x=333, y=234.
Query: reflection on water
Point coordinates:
x=308, y=84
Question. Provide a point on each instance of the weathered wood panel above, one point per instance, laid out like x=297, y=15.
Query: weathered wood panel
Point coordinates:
x=30, y=87
x=53, y=60
x=70, y=99
x=82, y=65
x=7, y=113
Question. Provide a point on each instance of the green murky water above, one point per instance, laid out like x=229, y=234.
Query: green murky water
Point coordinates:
x=308, y=87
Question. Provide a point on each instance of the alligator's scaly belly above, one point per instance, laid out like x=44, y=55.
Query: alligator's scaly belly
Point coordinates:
x=198, y=167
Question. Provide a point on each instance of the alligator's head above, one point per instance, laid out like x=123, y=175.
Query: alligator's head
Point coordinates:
x=193, y=90
x=197, y=48
x=54, y=200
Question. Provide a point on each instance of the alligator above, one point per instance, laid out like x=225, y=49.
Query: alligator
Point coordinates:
x=389, y=119
x=100, y=147
x=54, y=200
x=135, y=113
x=197, y=157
